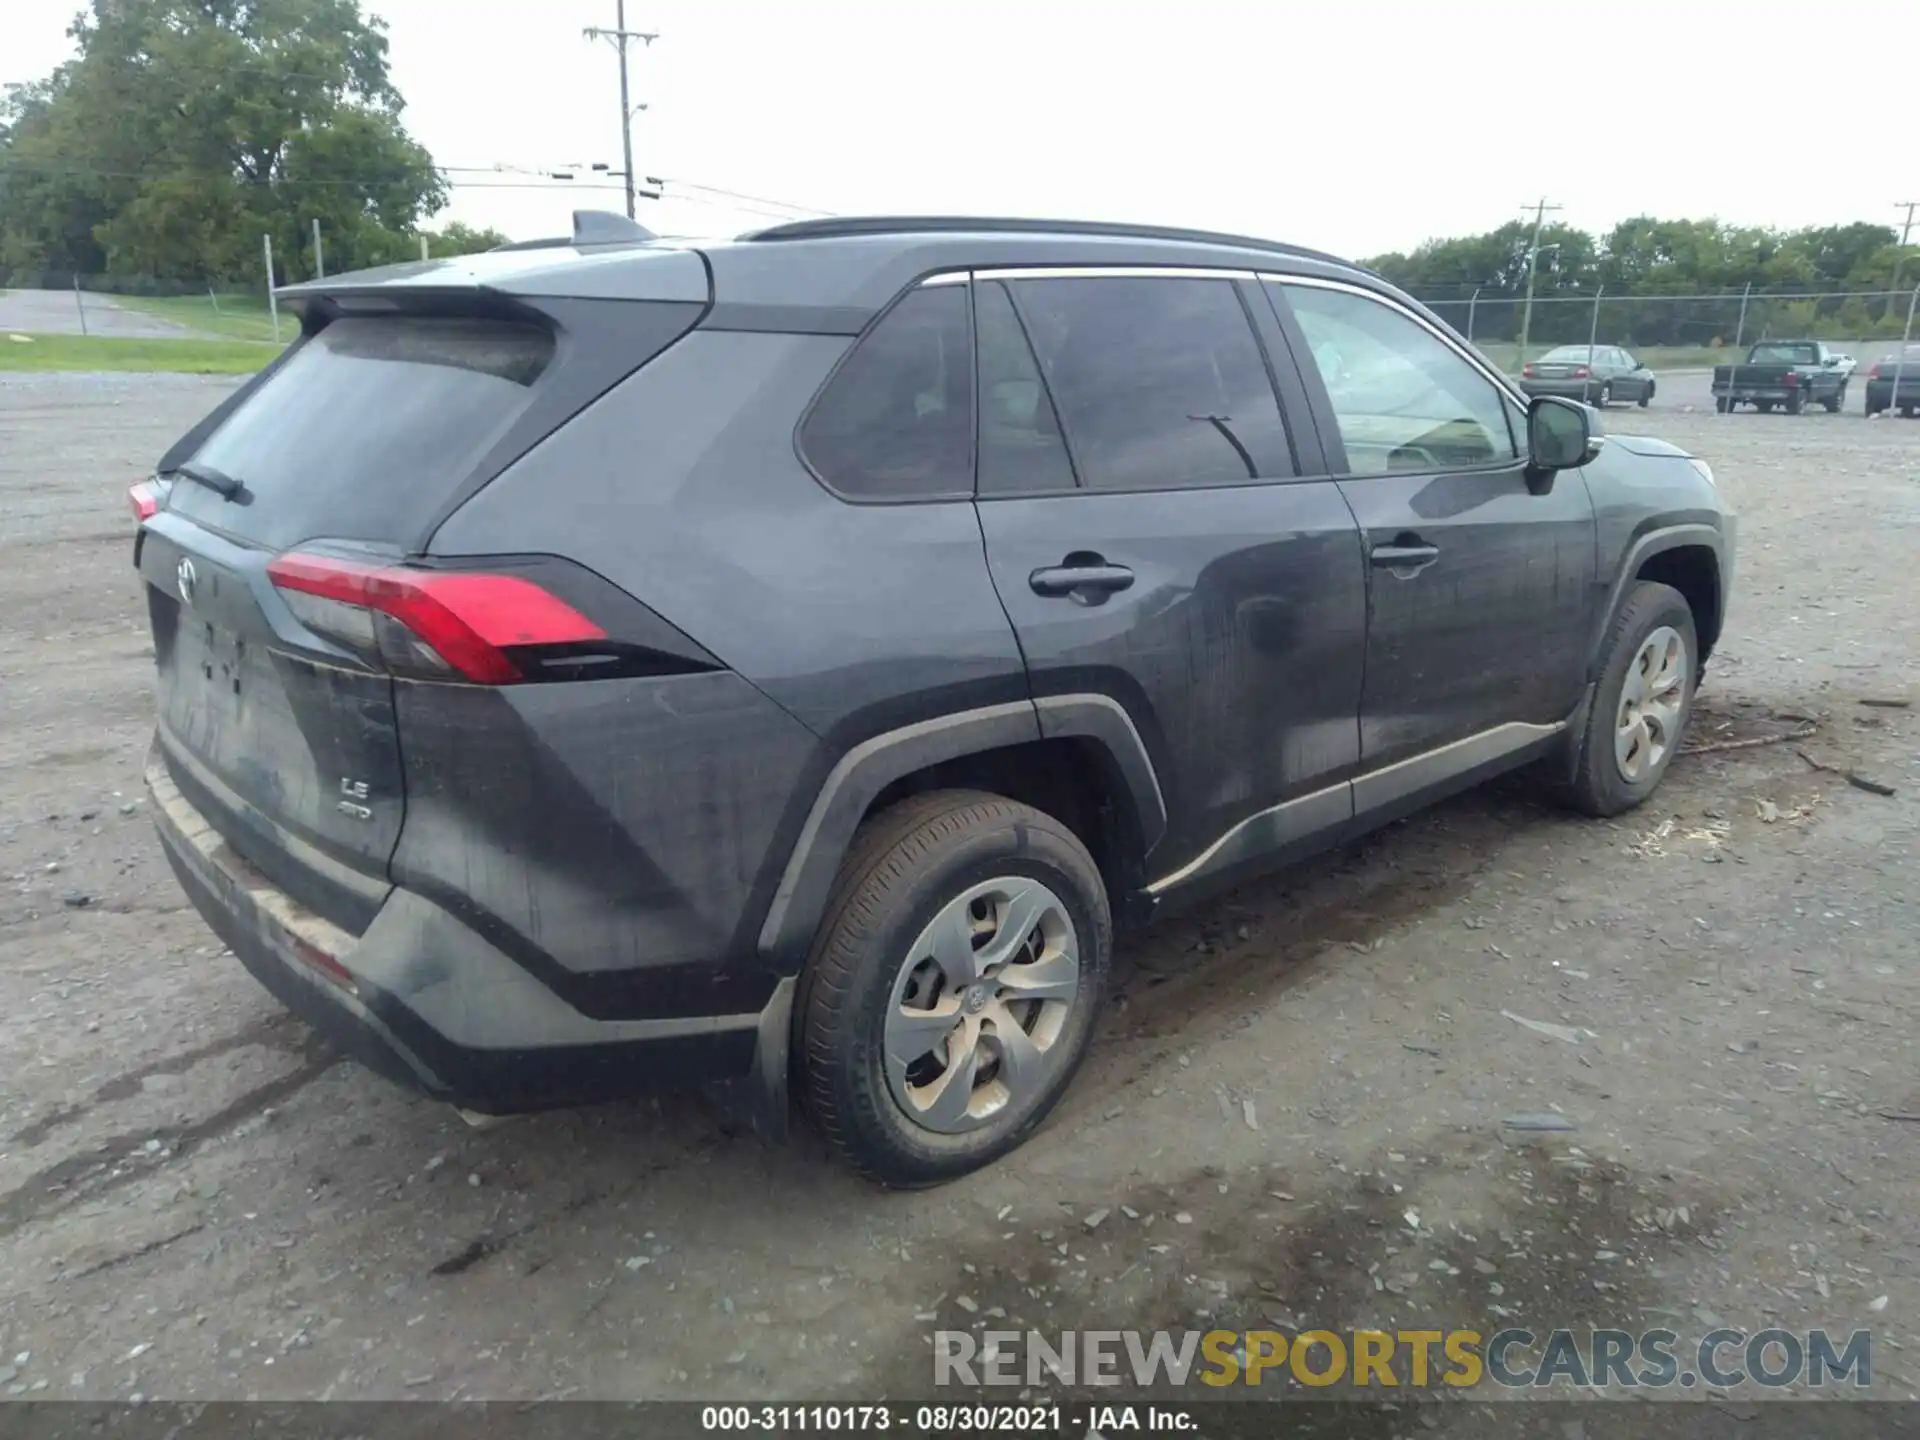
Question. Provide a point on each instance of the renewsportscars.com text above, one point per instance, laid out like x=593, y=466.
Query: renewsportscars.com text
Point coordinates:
x=1415, y=1359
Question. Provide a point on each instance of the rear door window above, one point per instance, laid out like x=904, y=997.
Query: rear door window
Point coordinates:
x=1160, y=383
x=368, y=428
x=895, y=422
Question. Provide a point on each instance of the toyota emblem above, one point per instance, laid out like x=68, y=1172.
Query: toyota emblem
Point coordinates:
x=186, y=576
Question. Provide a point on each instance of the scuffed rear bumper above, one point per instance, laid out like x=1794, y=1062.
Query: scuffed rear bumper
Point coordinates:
x=423, y=1000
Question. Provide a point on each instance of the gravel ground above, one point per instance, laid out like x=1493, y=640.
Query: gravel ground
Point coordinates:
x=198, y=1201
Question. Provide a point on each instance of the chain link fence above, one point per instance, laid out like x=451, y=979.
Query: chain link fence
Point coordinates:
x=1671, y=330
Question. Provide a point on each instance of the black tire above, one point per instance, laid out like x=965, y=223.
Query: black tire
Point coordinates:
x=1873, y=409
x=1606, y=395
x=1723, y=405
x=904, y=865
x=1906, y=412
x=1598, y=787
x=1796, y=403
x=1646, y=396
x=1765, y=407
x=1839, y=398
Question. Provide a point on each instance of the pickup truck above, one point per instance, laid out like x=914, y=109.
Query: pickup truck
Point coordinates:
x=1789, y=373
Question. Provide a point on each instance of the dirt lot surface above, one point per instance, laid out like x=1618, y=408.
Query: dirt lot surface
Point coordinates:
x=1294, y=1114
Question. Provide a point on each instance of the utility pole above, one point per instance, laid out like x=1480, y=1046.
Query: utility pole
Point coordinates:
x=621, y=38
x=1540, y=210
x=1900, y=255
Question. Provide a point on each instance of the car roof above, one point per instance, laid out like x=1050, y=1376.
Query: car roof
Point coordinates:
x=828, y=276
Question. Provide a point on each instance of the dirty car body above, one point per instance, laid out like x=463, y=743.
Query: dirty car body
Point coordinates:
x=537, y=636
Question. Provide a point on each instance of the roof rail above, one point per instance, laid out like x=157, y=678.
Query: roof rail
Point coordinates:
x=841, y=227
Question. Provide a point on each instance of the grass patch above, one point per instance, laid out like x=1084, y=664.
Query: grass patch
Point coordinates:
x=106, y=352
x=237, y=317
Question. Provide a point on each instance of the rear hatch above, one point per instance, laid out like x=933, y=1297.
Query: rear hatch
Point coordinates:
x=279, y=577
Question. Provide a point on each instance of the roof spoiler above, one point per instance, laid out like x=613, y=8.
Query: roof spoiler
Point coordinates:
x=591, y=227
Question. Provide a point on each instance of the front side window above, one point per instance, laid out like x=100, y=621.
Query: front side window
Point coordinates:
x=1403, y=398
x=1159, y=383
x=896, y=420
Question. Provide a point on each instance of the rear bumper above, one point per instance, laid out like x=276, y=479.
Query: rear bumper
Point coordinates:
x=1880, y=392
x=1562, y=389
x=423, y=1000
x=1747, y=394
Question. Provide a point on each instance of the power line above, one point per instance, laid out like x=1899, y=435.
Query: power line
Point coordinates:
x=752, y=199
x=550, y=180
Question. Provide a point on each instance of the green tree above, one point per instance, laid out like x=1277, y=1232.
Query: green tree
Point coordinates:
x=183, y=130
x=462, y=239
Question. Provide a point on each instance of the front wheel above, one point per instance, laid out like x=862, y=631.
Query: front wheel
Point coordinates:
x=1646, y=396
x=953, y=985
x=1641, y=704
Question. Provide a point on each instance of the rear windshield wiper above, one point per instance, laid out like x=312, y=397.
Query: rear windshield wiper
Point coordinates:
x=218, y=481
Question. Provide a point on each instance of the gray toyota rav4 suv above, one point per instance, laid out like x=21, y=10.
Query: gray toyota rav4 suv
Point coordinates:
x=623, y=662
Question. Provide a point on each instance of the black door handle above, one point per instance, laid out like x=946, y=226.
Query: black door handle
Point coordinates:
x=1405, y=559
x=1088, y=579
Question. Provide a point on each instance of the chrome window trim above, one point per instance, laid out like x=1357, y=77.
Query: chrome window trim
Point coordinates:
x=1117, y=272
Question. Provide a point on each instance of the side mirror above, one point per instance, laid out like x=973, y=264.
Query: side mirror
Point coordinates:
x=1559, y=435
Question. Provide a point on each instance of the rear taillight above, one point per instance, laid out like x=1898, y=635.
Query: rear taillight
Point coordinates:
x=441, y=624
x=1580, y=372
x=1873, y=371
x=1526, y=370
x=144, y=500
x=1792, y=377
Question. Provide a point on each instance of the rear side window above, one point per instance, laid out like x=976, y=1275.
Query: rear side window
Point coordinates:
x=368, y=428
x=1160, y=383
x=896, y=420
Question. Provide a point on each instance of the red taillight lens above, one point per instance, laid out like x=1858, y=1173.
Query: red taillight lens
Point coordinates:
x=1526, y=370
x=1873, y=371
x=1792, y=377
x=144, y=500
x=1580, y=372
x=453, y=624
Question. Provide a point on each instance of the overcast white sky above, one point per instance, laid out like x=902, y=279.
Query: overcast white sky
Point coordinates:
x=1358, y=127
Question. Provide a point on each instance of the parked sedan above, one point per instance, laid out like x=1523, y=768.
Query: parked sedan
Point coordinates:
x=1599, y=375
x=1902, y=370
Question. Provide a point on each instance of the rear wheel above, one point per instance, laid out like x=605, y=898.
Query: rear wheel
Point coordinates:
x=1606, y=394
x=1641, y=705
x=1796, y=403
x=1723, y=404
x=953, y=986
x=1906, y=412
x=1836, y=400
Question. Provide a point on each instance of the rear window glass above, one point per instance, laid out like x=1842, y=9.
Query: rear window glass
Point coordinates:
x=368, y=428
x=1782, y=355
